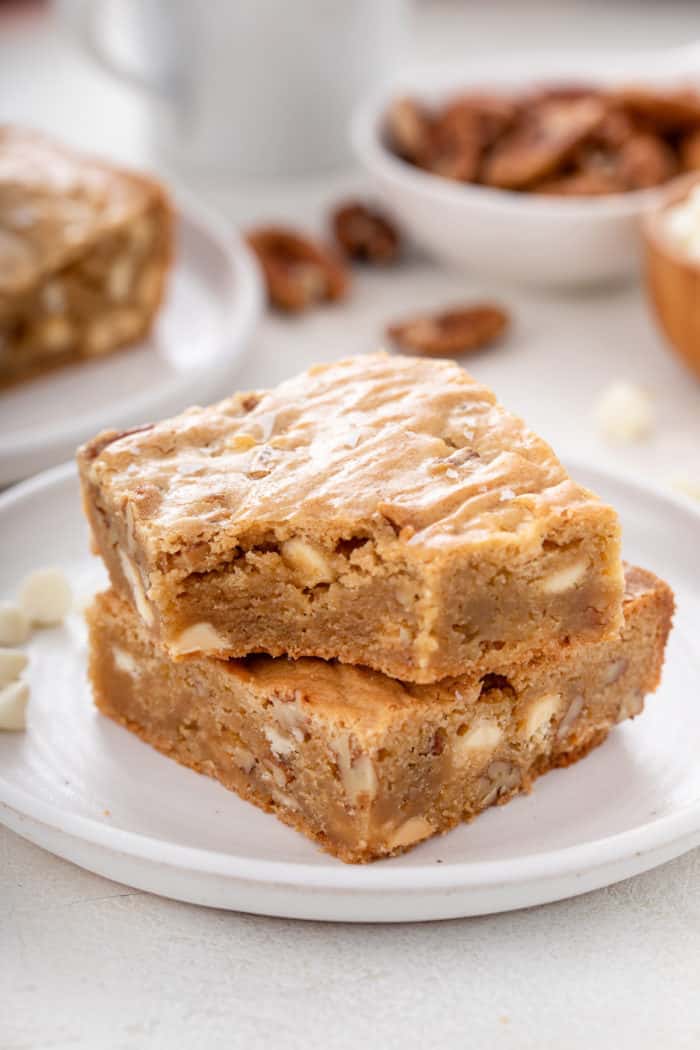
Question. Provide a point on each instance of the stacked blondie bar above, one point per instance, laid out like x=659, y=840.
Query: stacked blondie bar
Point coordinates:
x=370, y=601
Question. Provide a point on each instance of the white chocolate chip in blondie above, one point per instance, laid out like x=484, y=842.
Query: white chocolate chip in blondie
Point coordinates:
x=13, y=706
x=12, y=663
x=124, y=662
x=275, y=773
x=308, y=561
x=120, y=279
x=284, y=800
x=46, y=597
x=411, y=831
x=484, y=735
x=14, y=624
x=361, y=779
x=198, y=638
x=564, y=579
x=571, y=717
x=243, y=758
x=631, y=706
x=540, y=714
x=615, y=671
x=53, y=297
x=290, y=718
x=357, y=773
x=404, y=636
x=280, y=745
x=138, y=592
x=406, y=594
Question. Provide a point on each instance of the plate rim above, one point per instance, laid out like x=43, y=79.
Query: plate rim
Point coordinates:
x=243, y=306
x=546, y=865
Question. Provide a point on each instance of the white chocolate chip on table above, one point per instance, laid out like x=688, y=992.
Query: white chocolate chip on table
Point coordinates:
x=14, y=698
x=45, y=597
x=687, y=485
x=12, y=663
x=14, y=624
x=624, y=412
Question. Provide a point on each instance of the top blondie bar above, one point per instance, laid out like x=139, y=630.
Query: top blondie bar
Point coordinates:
x=381, y=510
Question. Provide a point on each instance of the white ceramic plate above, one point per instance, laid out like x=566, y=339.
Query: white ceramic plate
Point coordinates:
x=213, y=304
x=84, y=788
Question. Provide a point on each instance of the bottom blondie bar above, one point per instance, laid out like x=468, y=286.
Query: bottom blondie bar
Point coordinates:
x=364, y=764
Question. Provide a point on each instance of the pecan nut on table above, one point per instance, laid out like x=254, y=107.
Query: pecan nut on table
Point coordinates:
x=459, y=330
x=298, y=271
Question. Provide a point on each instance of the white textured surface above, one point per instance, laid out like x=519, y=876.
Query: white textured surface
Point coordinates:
x=86, y=964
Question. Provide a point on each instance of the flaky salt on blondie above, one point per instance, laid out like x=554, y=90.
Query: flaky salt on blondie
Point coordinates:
x=361, y=763
x=84, y=253
x=381, y=510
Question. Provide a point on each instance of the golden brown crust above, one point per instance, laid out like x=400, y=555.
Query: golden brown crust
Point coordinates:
x=381, y=510
x=347, y=443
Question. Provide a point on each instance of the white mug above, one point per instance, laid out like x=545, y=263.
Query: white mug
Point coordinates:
x=252, y=87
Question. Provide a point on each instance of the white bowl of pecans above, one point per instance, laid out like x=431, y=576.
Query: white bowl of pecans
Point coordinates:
x=535, y=174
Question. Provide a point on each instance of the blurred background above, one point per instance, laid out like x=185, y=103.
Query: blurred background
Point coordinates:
x=47, y=78
x=248, y=108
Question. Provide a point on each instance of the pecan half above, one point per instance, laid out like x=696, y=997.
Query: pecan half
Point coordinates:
x=298, y=272
x=365, y=233
x=690, y=151
x=460, y=330
x=581, y=184
x=542, y=141
x=409, y=129
x=457, y=143
x=501, y=779
x=615, y=128
x=463, y=131
x=646, y=160
x=671, y=110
